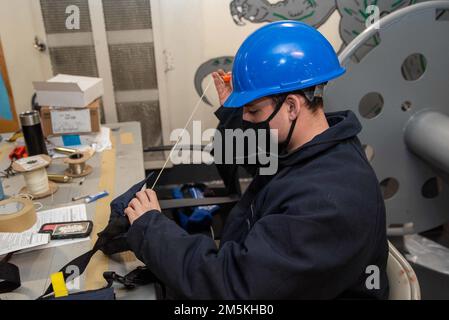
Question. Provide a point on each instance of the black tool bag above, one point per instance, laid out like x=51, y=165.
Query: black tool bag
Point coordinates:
x=110, y=241
x=9, y=275
x=113, y=240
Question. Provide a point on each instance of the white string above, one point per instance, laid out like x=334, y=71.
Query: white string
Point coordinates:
x=39, y=205
x=182, y=133
x=37, y=181
x=212, y=233
x=24, y=196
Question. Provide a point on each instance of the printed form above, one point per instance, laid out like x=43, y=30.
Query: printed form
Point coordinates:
x=32, y=240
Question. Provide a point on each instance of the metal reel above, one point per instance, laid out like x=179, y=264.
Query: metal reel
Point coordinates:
x=405, y=74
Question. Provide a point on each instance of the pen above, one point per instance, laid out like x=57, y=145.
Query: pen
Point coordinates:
x=96, y=196
x=79, y=198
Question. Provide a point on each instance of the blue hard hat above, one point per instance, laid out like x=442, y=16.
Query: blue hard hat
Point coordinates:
x=281, y=57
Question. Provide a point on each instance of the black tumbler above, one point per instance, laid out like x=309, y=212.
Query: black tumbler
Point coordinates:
x=32, y=133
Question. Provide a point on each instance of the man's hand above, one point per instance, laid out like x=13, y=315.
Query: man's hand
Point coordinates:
x=224, y=89
x=143, y=202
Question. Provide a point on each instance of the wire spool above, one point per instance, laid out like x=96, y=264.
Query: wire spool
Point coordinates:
x=77, y=164
x=396, y=89
x=16, y=215
x=35, y=175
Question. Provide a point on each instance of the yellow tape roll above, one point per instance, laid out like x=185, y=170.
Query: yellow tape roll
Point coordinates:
x=16, y=215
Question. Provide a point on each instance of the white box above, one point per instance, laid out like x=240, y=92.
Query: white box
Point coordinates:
x=68, y=91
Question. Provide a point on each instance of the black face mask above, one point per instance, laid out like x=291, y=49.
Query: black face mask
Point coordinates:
x=263, y=146
x=233, y=119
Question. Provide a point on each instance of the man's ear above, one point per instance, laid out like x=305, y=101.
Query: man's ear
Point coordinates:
x=294, y=104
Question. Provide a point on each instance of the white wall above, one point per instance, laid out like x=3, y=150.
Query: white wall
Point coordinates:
x=18, y=27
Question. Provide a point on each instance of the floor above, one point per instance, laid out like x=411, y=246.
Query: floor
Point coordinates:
x=434, y=285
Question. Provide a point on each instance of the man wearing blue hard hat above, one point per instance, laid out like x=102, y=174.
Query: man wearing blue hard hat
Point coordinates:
x=314, y=230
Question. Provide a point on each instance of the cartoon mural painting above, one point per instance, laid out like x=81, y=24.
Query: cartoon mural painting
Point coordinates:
x=312, y=12
x=207, y=68
x=315, y=12
x=353, y=13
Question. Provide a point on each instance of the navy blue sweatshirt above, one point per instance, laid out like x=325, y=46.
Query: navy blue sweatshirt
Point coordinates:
x=308, y=232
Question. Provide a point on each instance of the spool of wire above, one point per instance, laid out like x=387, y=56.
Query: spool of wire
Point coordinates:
x=77, y=164
x=37, y=181
x=77, y=168
x=35, y=176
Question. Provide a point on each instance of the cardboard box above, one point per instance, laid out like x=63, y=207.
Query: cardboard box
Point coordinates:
x=59, y=121
x=68, y=91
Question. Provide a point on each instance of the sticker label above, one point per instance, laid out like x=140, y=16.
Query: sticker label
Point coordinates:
x=31, y=163
x=70, y=229
x=70, y=121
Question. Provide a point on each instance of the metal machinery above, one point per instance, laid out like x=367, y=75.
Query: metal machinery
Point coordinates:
x=399, y=90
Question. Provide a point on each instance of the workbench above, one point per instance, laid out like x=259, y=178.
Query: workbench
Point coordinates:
x=114, y=170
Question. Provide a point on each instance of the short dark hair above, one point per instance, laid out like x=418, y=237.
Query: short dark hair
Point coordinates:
x=313, y=106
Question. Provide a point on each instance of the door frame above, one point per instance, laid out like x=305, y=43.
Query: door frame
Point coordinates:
x=7, y=125
x=161, y=63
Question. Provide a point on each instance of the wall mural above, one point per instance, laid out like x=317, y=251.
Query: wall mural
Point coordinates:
x=207, y=68
x=313, y=12
x=353, y=19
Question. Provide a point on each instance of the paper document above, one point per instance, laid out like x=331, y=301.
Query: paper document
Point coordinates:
x=98, y=141
x=10, y=242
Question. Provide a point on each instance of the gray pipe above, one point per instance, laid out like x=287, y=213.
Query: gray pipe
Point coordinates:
x=427, y=136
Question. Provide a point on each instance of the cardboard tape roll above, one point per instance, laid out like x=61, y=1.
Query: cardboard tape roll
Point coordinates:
x=17, y=215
